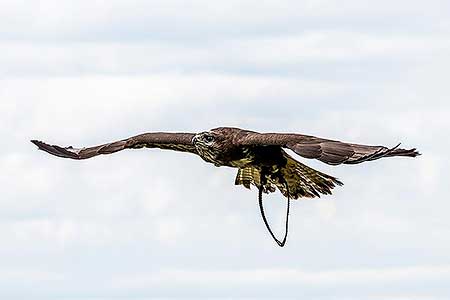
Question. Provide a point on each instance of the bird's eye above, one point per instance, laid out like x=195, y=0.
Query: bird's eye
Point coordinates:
x=208, y=138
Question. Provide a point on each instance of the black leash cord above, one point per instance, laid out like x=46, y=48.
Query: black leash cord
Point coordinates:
x=263, y=215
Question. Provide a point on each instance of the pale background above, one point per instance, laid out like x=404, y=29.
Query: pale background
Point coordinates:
x=145, y=224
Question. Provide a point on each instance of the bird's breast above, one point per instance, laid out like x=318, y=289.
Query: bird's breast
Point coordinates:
x=240, y=163
x=242, y=158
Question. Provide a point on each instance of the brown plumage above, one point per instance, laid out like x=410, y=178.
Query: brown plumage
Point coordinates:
x=250, y=151
x=259, y=157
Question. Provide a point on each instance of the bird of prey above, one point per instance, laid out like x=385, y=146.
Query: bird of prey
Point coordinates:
x=259, y=157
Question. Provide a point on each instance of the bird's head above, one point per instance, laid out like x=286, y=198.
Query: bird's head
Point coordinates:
x=206, y=140
x=210, y=145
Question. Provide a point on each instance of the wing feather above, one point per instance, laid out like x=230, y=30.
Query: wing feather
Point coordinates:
x=328, y=151
x=163, y=140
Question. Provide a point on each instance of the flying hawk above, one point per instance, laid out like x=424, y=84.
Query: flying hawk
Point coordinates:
x=259, y=157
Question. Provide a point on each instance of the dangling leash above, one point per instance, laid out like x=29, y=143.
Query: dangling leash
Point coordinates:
x=263, y=215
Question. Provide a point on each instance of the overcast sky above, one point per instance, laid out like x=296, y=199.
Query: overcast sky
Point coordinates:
x=144, y=224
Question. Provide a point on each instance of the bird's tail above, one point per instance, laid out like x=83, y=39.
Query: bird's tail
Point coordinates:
x=302, y=181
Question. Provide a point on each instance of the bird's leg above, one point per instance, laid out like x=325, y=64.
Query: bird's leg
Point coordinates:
x=263, y=215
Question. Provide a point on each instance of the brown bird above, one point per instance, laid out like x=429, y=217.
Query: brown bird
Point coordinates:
x=259, y=157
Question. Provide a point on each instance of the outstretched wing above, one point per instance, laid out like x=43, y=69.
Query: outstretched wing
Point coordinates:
x=327, y=151
x=163, y=140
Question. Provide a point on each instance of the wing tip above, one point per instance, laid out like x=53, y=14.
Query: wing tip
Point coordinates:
x=55, y=150
x=415, y=152
x=41, y=145
x=406, y=152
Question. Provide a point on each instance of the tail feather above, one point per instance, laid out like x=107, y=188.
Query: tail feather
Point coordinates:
x=302, y=181
x=252, y=176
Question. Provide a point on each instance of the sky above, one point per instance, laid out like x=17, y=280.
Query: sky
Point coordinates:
x=153, y=224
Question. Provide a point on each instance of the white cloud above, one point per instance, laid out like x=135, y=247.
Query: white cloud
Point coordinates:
x=159, y=223
x=290, y=53
x=277, y=277
x=198, y=19
x=29, y=275
x=336, y=284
